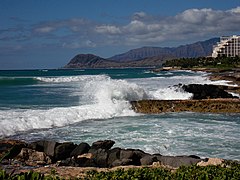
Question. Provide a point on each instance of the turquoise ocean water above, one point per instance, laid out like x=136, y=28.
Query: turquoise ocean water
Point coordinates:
x=89, y=105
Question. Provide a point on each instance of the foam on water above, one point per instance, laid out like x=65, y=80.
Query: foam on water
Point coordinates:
x=107, y=98
x=205, y=135
x=71, y=78
x=103, y=98
x=104, y=112
x=171, y=93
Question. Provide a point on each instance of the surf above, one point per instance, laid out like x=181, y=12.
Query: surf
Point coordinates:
x=96, y=96
x=104, y=98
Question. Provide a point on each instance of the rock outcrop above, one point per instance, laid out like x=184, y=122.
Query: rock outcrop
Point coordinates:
x=206, y=98
x=10, y=148
x=31, y=157
x=99, y=154
x=206, y=91
x=205, y=105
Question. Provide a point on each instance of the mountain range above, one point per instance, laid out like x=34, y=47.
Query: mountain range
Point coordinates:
x=144, y=57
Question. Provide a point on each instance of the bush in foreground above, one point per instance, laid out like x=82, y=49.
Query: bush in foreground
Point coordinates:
x=192, y=172
x=230, y=171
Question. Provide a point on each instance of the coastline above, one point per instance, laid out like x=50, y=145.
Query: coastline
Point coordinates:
x=201, y=106
x=215, y=74
x=68, y=160
x=70, y=171
x=208, y=103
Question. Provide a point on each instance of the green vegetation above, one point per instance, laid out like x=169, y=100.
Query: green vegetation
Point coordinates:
x=192, y=172
x=228, y=171
x=204, y=62
x=22, y=176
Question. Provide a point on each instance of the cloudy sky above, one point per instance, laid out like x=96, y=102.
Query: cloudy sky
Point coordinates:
x=48, y=33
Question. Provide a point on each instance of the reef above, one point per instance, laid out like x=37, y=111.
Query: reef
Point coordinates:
x=202, y=106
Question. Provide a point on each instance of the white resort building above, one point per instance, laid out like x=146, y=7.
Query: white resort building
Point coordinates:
x=228, y=46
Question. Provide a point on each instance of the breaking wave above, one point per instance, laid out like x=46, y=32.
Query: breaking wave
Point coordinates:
x=106, y=98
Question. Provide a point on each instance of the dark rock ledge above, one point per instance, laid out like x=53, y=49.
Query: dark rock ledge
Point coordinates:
x=17, y=155
x=206, y=98
x=208, y=91
x=202, y=106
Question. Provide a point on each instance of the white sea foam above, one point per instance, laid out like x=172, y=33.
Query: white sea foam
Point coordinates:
x=201, y=80
x=107, y=98
x=103, y=98
x=171, y=93
x=70, y=78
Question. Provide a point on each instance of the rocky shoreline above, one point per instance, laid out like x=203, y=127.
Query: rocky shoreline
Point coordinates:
x=201, y=106
x=206, y=98
x=74, y=160
x=71, y=160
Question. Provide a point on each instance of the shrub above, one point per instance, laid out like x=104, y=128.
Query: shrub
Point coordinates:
x=231, y=170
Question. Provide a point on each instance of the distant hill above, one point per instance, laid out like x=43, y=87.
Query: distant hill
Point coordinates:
x=141, y=53
x=198, y=49
x=143, y=57
x=90, y=61
x=82, y=61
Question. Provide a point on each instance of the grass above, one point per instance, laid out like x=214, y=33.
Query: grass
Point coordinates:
x=230, y=170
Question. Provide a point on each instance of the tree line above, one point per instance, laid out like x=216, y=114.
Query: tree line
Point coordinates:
x=210, y=62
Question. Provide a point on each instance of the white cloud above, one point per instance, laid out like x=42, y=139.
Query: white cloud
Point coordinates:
x=139, y=15
x=135, y=26
x=194, y=16
x=191, y=23
x=235, y=10
x=108, y=29
x=139, y=30
x=145, y=29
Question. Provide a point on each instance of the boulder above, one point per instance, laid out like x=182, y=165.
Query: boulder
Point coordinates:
x=134, y=154
x=68, y=162
x=82, y=148
x=37, y=145
x=122, y=162
x=105, y=144
x=113, y=155
x=177, y=161
x=63, y=151
x=33, y=158
x=86, y=160
x=148, y=160
x=47, y=147
x=100, y=157
x=206, y=91
x=9, y=150
x=5, y=147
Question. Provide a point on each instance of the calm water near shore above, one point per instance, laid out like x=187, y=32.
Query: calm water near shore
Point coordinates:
x=89, y=105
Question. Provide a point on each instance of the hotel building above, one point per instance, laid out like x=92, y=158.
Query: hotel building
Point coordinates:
x=228, y=46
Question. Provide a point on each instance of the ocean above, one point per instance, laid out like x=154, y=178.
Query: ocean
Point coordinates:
x=93, y=104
